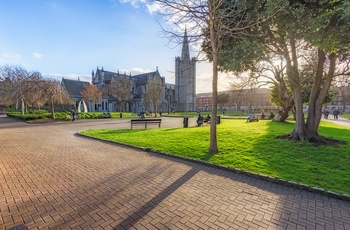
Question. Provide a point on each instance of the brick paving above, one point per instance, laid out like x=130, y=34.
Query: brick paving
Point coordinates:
x=51, y=178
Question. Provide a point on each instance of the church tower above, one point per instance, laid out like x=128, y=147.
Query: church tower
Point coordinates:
x=185, y=79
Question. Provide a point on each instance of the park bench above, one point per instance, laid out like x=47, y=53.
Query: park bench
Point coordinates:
x=204, y=121
x=145, y=122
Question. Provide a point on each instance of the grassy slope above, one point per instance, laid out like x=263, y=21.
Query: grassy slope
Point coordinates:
x=252, y=147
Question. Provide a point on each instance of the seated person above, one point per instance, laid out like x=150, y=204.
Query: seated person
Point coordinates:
x=272, y=115
x=199, y=119
x=142, y=115
x=208, y=117
x=252, y=118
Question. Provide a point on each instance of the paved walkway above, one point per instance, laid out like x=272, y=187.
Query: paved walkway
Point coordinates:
x=51, y=178
x=340, y=121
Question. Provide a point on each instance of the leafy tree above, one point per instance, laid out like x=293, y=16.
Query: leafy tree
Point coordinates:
x=322, y=26
x=120, y=88
x=281, y=92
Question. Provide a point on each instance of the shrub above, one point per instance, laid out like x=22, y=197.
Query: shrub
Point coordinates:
x=41, y=111
x=28, y=116
x=62, y=115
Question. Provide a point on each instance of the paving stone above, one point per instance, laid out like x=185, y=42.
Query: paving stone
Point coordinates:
x=51, y=178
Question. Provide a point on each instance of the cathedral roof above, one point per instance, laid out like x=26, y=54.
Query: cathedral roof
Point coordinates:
x=73, y=87
x=142, y=79
x=107, y=75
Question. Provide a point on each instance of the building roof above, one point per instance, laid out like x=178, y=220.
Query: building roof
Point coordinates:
x=73, y=87
x=142, y=79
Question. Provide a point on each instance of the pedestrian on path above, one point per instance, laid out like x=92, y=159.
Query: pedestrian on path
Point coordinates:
x=326, y=113
x=335, y=114
x=73, y=114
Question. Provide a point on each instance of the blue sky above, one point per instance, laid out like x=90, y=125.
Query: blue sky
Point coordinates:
x=70, y=38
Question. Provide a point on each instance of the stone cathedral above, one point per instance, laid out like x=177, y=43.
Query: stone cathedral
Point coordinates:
x=177, y=97
x=185, y=79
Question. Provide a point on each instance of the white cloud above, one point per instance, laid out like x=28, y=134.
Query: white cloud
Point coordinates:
x=138, y=70
x=151, y=7
x=134, y=3
x=9, y=57
x=59, y=77
x=37, y=55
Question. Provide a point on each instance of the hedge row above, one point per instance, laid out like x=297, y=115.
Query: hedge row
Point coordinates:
x=40, y=114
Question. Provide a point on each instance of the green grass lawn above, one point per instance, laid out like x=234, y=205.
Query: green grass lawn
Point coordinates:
x=252, y=147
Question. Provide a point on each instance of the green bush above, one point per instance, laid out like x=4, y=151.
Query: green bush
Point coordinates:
x=62, y=115
x=11, y=110
x=89, y=115
x=105, y=115
x=345, y=115
x=28, y=116
x=41, y=111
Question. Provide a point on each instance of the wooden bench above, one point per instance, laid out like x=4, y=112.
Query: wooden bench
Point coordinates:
x=204, y=121
x=145, y=122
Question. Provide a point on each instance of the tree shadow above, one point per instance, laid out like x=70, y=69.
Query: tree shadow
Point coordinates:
x=131, y=193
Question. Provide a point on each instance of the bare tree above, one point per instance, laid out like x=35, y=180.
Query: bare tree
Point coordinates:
x=238, y=95
x=120, y=88
x=344, y=91
x=91, y=94
x=153, y=93
x=209, y=22
x=18, y=85
x=53, y=93
x=223, y=99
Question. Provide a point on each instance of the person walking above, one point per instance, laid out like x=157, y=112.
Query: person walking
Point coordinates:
x=335, y=114
x=326, y=113
x=73, y=114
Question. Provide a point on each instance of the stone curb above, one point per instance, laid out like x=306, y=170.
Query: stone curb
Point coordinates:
x=291, y=184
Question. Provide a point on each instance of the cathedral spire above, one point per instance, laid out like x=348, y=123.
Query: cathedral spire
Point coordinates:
x=185, y=55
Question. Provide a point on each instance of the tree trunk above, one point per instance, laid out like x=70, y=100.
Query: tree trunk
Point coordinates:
x=318, y=94
x=213, y=136
x=294, y=78
x=52, y=109
x=121, y=106
x=213, y=148
x=284, y=113
x=287, y=101
x=299, y=130
x=23, y=106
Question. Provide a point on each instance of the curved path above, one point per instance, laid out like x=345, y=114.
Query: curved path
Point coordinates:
x=340, y=121
x=51, y=178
